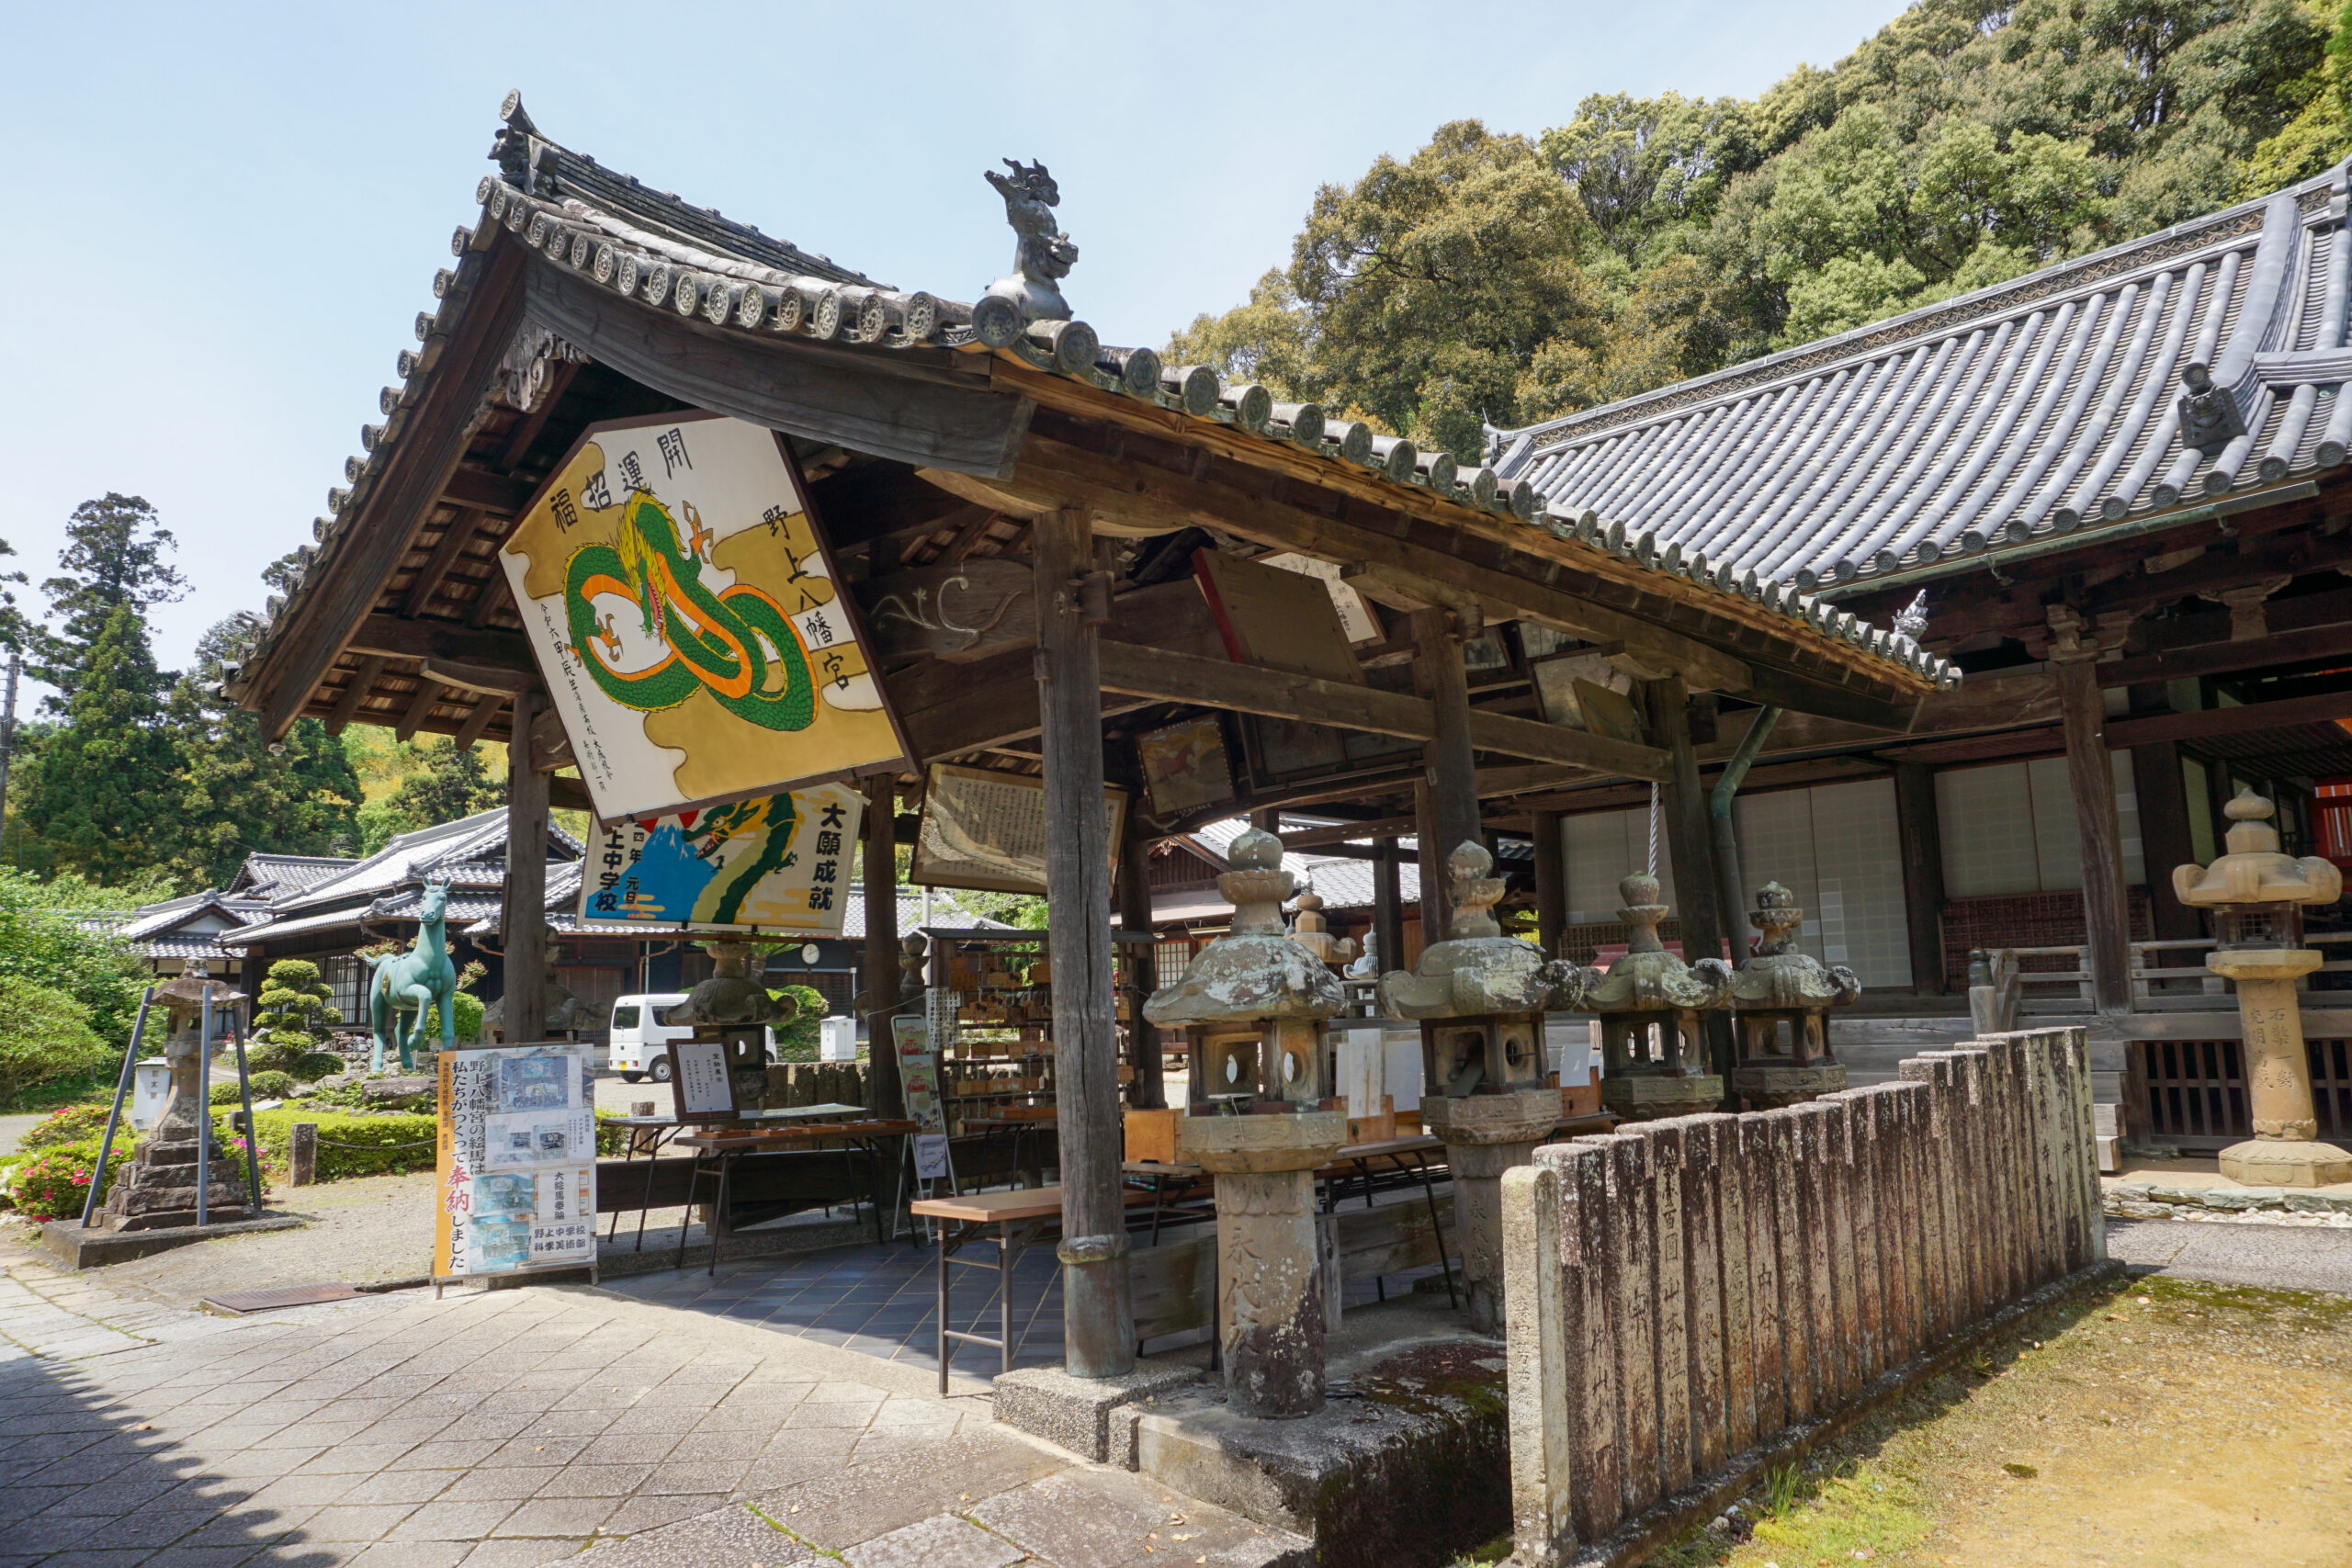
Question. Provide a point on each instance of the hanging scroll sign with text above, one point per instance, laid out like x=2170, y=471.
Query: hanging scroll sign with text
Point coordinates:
x=687, y=621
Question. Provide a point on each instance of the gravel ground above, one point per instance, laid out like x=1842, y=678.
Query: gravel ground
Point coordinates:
x=2283, y=1257
x=369, y=1230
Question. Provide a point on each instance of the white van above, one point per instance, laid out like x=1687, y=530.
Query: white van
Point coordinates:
x=639, y=1039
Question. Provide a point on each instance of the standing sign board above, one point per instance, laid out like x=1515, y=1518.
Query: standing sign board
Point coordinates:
x=777, y=863
x=918, y=1084
x=516, y=1161
x=691, y=630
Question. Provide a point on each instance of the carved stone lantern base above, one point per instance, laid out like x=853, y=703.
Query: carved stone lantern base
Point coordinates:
x=2286, y=1162
x=157, y=1191
x=1654, y=1097
x=1270, y=1276
x=1770, y=1086
x=1484, y=1135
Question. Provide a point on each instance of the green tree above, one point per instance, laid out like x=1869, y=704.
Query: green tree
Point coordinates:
x=115, y=556
x=99, y=796
x=449, y=782
x=233, y=793
x=52, y=936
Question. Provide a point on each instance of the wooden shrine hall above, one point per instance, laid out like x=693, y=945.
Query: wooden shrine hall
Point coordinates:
x=2115, y=493
x=1051, y=551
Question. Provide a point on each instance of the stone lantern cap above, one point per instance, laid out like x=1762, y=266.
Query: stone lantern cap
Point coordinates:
x=1776, y=975
x=730, y=995
x=2255, y=871
x=1477, y=970
x=1648, y=978
x=1255, y=970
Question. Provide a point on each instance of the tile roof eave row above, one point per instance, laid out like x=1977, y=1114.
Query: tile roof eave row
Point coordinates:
x=744, y=294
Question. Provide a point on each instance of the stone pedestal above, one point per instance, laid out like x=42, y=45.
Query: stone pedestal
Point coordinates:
x=2284, y=1150
x=1654, y=1097
x=1269, y=1277
x=1770, y=1085
x=157, y=1189
x=1484, y=1135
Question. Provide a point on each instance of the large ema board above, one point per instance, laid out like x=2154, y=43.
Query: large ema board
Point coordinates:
x=516, y=1161
x=686, y=619
x=777, y=863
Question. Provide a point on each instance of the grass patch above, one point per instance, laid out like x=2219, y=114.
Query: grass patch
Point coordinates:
x=2092, y=1433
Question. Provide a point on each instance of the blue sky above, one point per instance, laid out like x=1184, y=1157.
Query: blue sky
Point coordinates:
x=224, y=219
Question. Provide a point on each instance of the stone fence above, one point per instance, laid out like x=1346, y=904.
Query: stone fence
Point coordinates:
x=1688, y=1300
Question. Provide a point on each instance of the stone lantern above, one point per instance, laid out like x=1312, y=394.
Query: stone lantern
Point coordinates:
x=1779, y=987
x=1653, y=1049
x=2257, y=895
x=1480, y=998
x=1252, y=1006
x=157, y=1187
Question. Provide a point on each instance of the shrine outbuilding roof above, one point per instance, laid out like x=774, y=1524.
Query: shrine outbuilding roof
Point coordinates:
x=574, y=276
x=2197, y=369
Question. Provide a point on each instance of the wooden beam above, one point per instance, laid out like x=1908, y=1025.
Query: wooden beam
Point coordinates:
x=346, y=706
x=569, y=791
x=1388, y=911
x=453, y=542
x=1166, y=676
x=1551, y=882
x=398, y=500
x=470, y=732
x=493, y=591
x=480, y=678
x=1921, y=836
x=1453, y=768
x=550, y=743
x=1098, y=1314
x=2228, y=657
x=879, y=866
x=428, y=696
x=2090, y=777
x=2325, y=708
x=398, y=638
x=501, y=495
x=524, y=926
x=1697, y=895
x=1156, y=501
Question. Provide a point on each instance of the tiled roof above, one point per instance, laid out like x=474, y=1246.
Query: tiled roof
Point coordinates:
x=2006, y=416
x=273, y=876
x=469, y=851
x=153, y=920
x=658, y=254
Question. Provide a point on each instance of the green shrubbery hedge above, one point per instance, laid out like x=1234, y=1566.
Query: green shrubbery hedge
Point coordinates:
x=352, y=1146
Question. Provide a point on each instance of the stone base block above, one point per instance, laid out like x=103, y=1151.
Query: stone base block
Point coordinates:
x=1407, y=1465
x=1652, y=1096
x=2285, y=1162
x=1076, y=1413
x=66, y=1241
x=1769, y=1086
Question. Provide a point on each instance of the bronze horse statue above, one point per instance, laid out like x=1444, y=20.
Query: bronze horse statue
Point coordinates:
x=420, y=978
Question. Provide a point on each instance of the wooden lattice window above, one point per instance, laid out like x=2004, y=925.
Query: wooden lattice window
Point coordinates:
x=2331, y=1087
x=2196, y=1089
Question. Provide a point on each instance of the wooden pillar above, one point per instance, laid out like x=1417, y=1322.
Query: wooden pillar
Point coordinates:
x=1690, y=842
x=2091, y=775
x=880, y=960
x=1450, y=818
x=525, y=916
x=1921, y=837
x=1098, y=1314
x=1389, y=907
x=1140, y=960
x=1551, y=883
x=2165, y=840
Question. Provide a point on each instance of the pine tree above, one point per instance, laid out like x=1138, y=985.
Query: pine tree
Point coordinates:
x=100, y=801
x=115, y=556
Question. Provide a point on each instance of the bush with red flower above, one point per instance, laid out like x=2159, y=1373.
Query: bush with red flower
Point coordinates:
x=56, y=1181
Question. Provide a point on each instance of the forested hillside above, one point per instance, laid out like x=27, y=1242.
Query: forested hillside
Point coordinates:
x=1512, y=276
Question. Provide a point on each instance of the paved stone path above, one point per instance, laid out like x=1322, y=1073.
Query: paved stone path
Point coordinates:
x=2282, y=1257
x=524, y=1426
